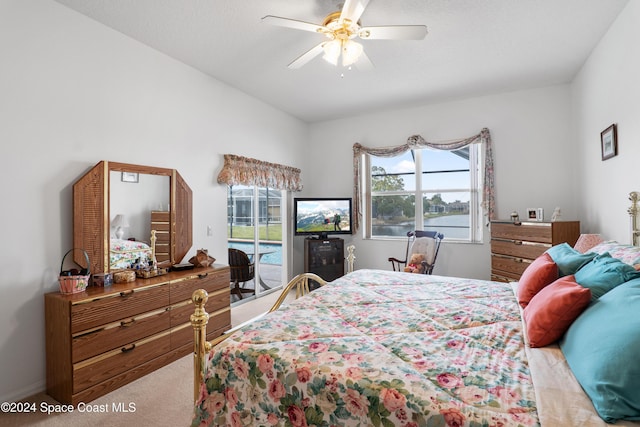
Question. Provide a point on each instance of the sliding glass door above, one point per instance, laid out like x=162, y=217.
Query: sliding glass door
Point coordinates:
x=255, y=226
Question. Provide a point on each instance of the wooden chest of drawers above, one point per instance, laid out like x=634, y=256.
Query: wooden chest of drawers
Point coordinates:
x=161, y=223
x=104, y=338
x=515, y=246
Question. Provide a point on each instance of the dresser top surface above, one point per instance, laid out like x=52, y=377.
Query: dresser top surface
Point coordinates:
x=93, y=292
x=508, y=221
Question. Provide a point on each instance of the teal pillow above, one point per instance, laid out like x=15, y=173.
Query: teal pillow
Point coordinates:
x=568, y=259
x=604, y=273
x=602, y=347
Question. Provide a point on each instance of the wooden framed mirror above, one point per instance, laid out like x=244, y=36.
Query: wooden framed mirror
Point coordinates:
x=94, y=193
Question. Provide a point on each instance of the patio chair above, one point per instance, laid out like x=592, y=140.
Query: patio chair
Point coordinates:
x=242, y=271
x=422, y=242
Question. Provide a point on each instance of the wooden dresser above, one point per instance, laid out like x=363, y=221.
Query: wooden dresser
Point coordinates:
x=515, y=245
x=160, y=222
x=104, y=338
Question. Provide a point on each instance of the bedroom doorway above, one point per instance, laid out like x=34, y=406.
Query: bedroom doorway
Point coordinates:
x=255, y=226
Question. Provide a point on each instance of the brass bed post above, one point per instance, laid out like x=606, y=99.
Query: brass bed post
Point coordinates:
x=634, y=196
x=199, y=320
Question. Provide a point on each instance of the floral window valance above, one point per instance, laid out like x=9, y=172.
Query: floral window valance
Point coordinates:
x=238, y=170
x=417, y=142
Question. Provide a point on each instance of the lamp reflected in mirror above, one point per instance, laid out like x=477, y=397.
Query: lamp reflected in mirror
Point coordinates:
x=120, y=223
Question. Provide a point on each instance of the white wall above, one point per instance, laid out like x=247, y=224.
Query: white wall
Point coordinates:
x=72, y=93
x=533, y=154
x=606, y=91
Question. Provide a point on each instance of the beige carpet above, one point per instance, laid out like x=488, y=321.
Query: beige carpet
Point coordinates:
x=162, y=398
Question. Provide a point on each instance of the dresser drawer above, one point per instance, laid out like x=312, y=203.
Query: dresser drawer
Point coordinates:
x=219, y=322
x=162, y=246
x=117, y=306
x=118, y=334
x=92, y=371
x=526, y=231
x=518, y=248
x=160, y=216
x=182, y=311
x=210, y=282
x=505, y=264
x=504, y=276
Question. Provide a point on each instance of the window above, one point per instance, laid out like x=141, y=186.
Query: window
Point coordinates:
x=446, y=184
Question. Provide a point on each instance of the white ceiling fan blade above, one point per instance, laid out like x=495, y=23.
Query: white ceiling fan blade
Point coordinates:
x=353, y=9
x=394, y=32
x=364, y=63
x=292, y=23
x=307, y=56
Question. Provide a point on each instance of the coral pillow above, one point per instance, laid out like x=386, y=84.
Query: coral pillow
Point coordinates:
x=552, y=310
x=540, y=273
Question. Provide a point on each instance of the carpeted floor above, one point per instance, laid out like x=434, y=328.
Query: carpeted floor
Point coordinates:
x=162, y=398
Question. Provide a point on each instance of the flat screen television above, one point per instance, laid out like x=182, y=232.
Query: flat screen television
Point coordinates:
x=322, y=216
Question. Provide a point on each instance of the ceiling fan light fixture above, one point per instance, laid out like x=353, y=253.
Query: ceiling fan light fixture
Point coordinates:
x=351, y=52
x=341, y=27
x=332, y=51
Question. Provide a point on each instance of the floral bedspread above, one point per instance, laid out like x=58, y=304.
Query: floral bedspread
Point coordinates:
x=377, y=348
x=124, y=253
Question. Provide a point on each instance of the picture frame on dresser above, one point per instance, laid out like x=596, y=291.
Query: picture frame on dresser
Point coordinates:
x=609, y=142
x=535, y=214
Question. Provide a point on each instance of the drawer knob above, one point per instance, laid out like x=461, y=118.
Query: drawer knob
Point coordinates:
x=128, y=348
x=124, y=294
x=517, y=242
x=127, y=323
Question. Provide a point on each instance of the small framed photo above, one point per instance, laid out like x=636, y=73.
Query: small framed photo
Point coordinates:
x=609, y=142
x=535, y=214
x=129, y=177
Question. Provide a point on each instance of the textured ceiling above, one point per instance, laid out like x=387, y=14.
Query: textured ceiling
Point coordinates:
x=474, y=47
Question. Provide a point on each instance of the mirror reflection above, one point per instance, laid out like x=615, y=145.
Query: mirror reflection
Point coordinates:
x=133, y=202
x=116, y=206
x=137, y=201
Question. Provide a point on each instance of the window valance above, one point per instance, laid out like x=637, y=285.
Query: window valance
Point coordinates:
x=238, y=170
x=417, y=142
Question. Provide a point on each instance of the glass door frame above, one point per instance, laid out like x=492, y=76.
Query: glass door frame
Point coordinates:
x=257, y=223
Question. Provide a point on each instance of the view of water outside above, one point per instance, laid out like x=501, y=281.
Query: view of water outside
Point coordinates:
x=273, y=255
x=452, y=226
x=445, y=196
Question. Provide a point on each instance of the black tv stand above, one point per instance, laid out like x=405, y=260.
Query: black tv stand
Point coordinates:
x=320, y=236
x=324, y=257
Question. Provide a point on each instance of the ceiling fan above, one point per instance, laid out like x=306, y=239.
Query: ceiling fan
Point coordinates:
x=341, y=28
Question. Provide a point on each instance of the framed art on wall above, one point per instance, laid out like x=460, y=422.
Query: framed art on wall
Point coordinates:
x=609, y=142
x=129, y=177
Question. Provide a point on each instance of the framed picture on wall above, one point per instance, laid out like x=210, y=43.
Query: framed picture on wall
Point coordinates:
x=129, y=177
x=609, y=142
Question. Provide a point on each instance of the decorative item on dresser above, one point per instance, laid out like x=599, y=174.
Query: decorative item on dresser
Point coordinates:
x=106, y=337
x=515, y=245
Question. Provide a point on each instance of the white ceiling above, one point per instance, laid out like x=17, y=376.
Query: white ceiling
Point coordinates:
x=474, y=47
